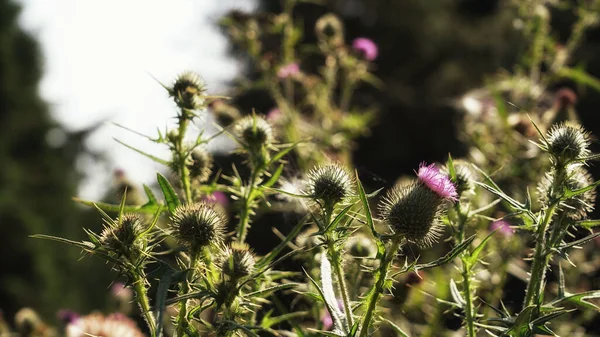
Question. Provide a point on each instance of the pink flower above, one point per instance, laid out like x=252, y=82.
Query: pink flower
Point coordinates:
x=120, y=291
x=114, y=325
x=273, y=114
x=218, y=197
x=503, y=227
x=437, y=181
x=366, y=47
x=288, y=70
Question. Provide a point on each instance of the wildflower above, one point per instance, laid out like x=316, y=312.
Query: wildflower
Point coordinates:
x=236, y=261
x=67, y=316
x=188, y=91
x=218, y=198
x=114, y=325
x=366, y=47
x=567, y=142
x=254, y=132
x=288, y=70
x=330, y=184
x=413, y=209
x=201, y=165
x=437, y=181
x=577, y=207
x=503, y=227
x=198, y=225
x=123, y=236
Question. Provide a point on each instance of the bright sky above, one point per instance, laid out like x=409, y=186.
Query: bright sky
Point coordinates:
x=100, y=57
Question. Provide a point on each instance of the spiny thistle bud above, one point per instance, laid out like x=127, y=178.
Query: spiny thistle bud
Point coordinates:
x=464, y=177
x=236, y=261
x=223, y=113
x=361, y=245
x=198, y=225
x=188, y=91
x=577, y=207
x=330, y=184
x=329, y=28
x=201, y=165
x=567, y=142
x=413, y=210
x=122, y=236
x=254, y=132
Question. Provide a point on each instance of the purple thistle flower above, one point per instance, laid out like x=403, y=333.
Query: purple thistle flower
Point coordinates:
x=67, y=316
x=437, y=181
x=366, y=47
x=288, y=70
x=503, y=227
x=218, y=197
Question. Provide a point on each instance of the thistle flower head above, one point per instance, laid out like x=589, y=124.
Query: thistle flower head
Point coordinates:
x=464, y=177
x=123, y=235
x=188, y=91
x=567, y=142
x=577, y=207
x=366, y=47
x=288, y=70
x=223, y=113
x=413, y=210
x=114, y=325
x=254, y=131
x=236, y=261
x=329, y=28
x=361, y=245
x=430, y=176
x=330, y=184
x=200, y=166
x=198, y=225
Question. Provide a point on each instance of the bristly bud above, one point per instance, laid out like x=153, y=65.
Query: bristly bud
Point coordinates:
x=360, y=245
x=223, y=113
x=188, y=91
x=329, y=28
x=464, y=177
x=201, y=165
x=254, y=132
x=236, y=261
x=330, y=184
x=577, y=207
x=567, y=142
x=198, y=225
x=413, y=211
x=122, y=236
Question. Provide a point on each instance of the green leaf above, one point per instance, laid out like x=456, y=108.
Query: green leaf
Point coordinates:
x=448, y=257
x=83, y=244
x=154, y=158
x=580, y=76
x=170, y=196
x=151, y=197
x=579, y=299
x=472, y=259
x=588, y=223
x=274, y=177
x=338, y=218
x=270, y=290
x=148, y=208
x=580, y=241
x=571, y=193
x=268, y=322
x=456, y=295
x=282, y=153
x=161, y=299
x=396, y=328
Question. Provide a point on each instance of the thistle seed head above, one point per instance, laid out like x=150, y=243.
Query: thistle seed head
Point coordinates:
x=254, y=131
x=236, y=261
x=198, y=225
x=413, y=210
x=188, y=91
x=123, y=235
x=201, y=165
x=567, y=142
x=330, y=184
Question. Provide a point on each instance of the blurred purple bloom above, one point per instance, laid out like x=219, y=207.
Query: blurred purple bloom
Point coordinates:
x=288, y=70
x=67, y=316
x=366, y=47
x=503, y=227
x=273, y=114
x=120, y=291
x=437, y=181
x=218, y=197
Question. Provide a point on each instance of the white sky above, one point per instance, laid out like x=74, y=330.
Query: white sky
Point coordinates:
x=100, y=56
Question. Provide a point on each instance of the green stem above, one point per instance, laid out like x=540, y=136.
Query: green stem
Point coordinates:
x=182, y=154
x=144, y=303
x=182, y=322
x=246, y=206
x=378, y=289
x=540, y=260
x=339, y=273
x=469, y=312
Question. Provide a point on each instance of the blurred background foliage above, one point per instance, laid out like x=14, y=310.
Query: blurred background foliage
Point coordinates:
x=431, y=52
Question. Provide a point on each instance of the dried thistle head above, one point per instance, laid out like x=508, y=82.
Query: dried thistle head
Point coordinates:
x=188, y=91
x=330, y=184
x=198, y=225
x=236, y=261
x=577, y=207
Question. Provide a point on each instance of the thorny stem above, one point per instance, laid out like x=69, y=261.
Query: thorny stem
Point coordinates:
x=142, y=299
x=182, y=319
x=379, y=287
x=182, y=155
x=335, y=259
x=466, y=273
x=248, y=198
